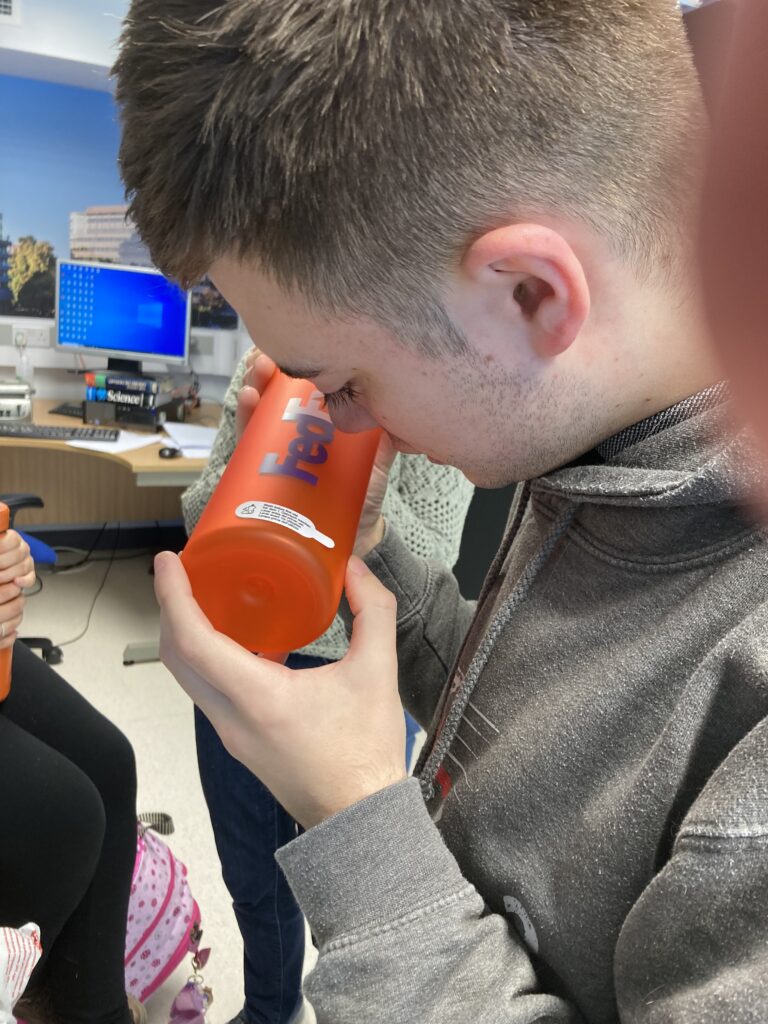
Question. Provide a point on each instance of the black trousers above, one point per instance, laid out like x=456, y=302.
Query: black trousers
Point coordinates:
x=68, y=825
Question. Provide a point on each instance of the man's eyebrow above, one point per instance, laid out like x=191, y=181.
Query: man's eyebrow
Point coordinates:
x=299, y=374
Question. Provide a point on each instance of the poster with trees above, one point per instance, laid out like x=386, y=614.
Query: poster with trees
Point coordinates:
x=61, y=197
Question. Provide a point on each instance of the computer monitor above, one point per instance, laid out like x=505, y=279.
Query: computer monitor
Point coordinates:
x=125, y=313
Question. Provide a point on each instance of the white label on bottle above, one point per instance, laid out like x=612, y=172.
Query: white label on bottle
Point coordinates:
x=283, y=516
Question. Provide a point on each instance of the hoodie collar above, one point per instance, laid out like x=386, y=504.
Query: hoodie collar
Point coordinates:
x=710, y=397
x=703, y=458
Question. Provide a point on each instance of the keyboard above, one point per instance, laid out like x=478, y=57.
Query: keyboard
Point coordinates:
x=38, y=433
x=69, y=409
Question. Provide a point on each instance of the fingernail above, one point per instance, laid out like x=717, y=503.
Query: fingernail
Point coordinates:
x=160, y=559
x=358, y=567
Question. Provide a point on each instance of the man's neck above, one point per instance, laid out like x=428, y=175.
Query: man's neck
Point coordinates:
x=667, y=359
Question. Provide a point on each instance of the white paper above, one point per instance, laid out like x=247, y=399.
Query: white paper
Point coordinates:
x=127, y=440
x=196, y=453
x=191, y=435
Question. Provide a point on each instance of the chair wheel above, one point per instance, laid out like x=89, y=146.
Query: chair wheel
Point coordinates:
x=53, y=656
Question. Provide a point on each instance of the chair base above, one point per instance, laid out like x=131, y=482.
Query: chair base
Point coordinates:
x=50, y=653
x=142, y=651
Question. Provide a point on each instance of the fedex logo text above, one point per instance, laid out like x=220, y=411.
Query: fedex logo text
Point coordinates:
x=314, y=432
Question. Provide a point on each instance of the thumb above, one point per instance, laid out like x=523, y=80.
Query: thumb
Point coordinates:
x=180, y=610
x=375, y=611
x=170, y=576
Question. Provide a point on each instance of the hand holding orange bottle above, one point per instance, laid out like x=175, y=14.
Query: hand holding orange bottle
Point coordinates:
x=266, y=562
x=16, y=573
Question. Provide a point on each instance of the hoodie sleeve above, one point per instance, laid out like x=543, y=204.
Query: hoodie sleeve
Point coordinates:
x=432, y=620
x=402, y=935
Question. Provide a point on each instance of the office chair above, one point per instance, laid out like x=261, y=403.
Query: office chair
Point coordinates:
x=42, y=554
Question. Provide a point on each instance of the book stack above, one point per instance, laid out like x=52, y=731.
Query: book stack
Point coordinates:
x=130, y=399
x=126, y=389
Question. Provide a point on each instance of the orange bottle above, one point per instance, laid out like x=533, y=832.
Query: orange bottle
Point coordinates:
x=6, y=654
x=267, y=559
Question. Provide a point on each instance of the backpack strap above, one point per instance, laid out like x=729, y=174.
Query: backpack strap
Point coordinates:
x=158, y=822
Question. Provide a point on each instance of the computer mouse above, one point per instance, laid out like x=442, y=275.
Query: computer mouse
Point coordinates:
x=169, y=453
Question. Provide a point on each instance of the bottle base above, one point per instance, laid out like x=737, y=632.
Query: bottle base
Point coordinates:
x=269, y=595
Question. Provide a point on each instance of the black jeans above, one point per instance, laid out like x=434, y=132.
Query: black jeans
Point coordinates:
x=68, y=805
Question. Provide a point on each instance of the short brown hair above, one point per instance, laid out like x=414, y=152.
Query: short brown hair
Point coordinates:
x=356, y=148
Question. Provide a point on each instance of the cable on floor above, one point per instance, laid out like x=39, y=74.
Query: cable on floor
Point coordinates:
x=99, y=589
x=96, y=539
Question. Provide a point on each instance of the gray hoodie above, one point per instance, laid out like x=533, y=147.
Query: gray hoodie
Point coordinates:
x=589, y=837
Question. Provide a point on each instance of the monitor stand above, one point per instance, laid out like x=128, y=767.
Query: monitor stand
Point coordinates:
x=130, y=366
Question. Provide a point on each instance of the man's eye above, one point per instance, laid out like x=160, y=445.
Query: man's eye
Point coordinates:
x=344, y=396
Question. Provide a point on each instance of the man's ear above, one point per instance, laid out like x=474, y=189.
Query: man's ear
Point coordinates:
x=541, y=278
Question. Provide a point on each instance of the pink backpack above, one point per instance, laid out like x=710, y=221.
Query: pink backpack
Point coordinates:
x=163, y=916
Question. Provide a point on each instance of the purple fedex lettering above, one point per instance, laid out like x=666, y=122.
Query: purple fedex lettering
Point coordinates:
x=314, y=431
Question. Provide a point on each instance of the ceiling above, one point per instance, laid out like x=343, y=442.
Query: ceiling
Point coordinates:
x=71, y=42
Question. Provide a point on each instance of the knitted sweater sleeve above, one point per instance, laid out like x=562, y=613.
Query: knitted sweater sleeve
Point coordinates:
x=195, y=498
x=425, y=503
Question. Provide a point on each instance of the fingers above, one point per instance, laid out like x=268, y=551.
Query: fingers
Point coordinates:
x=251, y=356
x=11, y=614
x=259, y=371
x=190, y=628
x=247, y=400
x=8, y=640
x=16, y=564
x=214, y=705
x=175, y=598
x=385, y=454
x=27, y=580
x=8, y=591
x=9, y=626
x=12, y=609
x=209, y=662
x=20, y=570
x=375, y=611
x=13, y=552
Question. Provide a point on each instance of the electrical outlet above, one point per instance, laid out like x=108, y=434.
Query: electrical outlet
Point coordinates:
x=32, y=337
x=201, y=344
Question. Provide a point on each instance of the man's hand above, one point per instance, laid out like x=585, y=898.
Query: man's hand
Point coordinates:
x=17, y=571
x=320, y=739
x=371, y=529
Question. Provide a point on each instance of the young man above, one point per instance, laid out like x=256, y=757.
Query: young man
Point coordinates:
x=469, y=223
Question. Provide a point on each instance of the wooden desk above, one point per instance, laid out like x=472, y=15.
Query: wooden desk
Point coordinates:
x=80, y=486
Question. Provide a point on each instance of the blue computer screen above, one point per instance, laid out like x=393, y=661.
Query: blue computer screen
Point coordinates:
x=132, y=311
